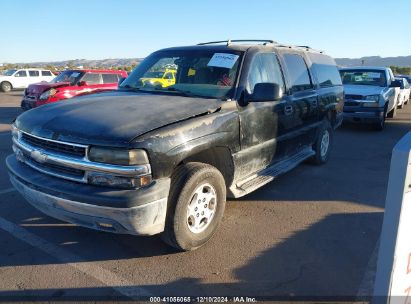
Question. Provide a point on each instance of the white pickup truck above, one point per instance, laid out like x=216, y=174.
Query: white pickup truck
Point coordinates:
x=22, y=78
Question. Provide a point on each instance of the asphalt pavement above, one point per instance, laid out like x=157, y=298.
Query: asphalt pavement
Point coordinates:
x=311, y=233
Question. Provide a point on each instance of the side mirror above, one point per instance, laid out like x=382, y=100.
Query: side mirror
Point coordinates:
x=395, y=84
x=266, y=92
x=120, y=81
x=82, y=83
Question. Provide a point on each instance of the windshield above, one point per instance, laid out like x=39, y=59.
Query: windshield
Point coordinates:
x=68, y=76
x=201, y=73
x=9, y=72
x=364, y=77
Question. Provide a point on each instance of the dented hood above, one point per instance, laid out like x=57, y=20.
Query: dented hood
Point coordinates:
x=40, y=87
x=113, y=118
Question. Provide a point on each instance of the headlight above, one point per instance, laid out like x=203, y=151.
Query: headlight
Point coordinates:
x=14, y=131
x=372, y=101
x=118, y=156
x=375, y=98
x=108, y=180
x=48, y=94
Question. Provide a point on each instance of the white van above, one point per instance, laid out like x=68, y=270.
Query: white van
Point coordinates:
x=22, y=78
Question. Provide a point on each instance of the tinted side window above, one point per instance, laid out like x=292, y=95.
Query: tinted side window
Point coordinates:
x=91, y=78
x=325, y=69
x=46, y=73
x=297, y=68
x=110, y=78
x=264, y=68
x=21, y=74
x=34, y=73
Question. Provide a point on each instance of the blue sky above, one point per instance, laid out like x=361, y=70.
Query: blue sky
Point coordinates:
x=45, y=30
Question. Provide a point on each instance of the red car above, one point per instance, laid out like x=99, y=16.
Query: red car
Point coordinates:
x=69, y=84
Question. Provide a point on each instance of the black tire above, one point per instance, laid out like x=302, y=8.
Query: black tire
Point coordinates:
x=184, y=182
x=379, y=126
x=321, y=158
x=402, y=105
x=393, y=112
x=6, y=86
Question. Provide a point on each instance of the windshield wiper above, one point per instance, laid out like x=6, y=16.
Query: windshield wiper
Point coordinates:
x=186, y=93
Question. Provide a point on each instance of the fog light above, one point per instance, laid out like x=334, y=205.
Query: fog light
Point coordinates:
x=105, y=225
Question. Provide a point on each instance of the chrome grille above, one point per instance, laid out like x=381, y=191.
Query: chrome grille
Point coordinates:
x=64, y=159
x=44, y=144
x=55, y=170
x=352, y=104
x=354, y=97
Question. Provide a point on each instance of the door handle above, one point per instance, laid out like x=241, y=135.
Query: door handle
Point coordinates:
x=288, y=110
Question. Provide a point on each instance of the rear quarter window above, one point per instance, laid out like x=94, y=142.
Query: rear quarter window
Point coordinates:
x=325, y=69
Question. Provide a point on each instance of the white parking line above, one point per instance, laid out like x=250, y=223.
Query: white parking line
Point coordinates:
x=8, y=190
x=367, y=284
x=105, y=276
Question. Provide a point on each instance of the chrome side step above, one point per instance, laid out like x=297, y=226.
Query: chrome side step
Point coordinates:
x=268, y=174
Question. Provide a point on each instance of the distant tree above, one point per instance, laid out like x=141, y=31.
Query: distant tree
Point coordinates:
x=401, y=70
x=50, y=67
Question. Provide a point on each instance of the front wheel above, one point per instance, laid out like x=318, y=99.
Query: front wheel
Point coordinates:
x=401, y=105
x=393, y=112
x=322, y=146
x=196, y=206
x=6, y=86
x=379, y=126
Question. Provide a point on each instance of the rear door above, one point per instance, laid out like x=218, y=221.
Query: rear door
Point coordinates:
x=300, y=116
x=46, y=76
x=110, y=81
x=34, y=76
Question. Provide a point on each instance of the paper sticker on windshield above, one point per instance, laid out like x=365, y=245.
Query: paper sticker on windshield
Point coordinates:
x=373, y=75
x=223, y=60
x=74, y=74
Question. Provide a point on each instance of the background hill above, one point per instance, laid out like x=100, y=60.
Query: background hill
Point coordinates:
x=401, y=61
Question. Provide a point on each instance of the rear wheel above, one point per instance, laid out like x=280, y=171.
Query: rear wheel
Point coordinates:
x=402, y=105
x=196, y=206
x=6, y=86
x=323, y=144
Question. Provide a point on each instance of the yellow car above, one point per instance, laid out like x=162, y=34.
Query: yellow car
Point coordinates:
x=161, y=78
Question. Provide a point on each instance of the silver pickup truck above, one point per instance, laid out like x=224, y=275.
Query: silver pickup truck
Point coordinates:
x=371, y=95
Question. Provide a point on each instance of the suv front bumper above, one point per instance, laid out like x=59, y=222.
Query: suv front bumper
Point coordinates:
x=139, y=212
x=27, y=104
x=363, y=115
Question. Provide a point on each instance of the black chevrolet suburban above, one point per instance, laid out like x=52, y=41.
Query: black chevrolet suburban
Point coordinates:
x=161, y=157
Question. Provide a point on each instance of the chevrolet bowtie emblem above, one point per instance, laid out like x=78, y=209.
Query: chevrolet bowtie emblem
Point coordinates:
x=38, y=156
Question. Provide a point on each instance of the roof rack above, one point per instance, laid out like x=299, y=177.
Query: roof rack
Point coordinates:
x=229, y=41
x=265, y=42
x=305, y=47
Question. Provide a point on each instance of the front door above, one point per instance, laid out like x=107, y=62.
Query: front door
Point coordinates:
x=259, y=120
x=20, y=79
